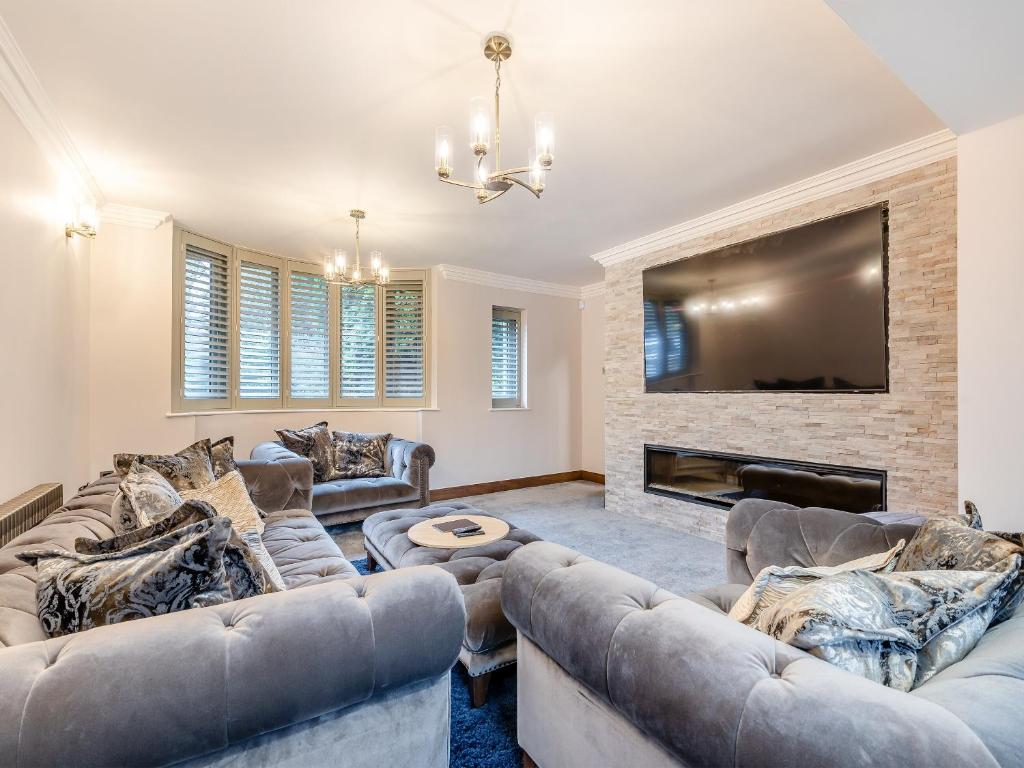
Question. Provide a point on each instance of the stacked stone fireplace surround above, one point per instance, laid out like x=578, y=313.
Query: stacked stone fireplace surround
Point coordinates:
x=911, y=431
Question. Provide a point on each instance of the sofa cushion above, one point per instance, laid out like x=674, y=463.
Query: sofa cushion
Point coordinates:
x=190, y=467
x=182, y=569
x=222, y=456
x=314, y=443
x=146, y=498
x=898, y=629
x=247, y=574
x=945, y=544
x=230, y=498
x=302, y=549
x=360, y=455
x=360, y=492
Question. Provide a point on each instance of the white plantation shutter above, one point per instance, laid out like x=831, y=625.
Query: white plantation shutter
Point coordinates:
x=205, y=319
x=404, y=321
x=309, y=312
x=358, y=319
x=259, y=331
x=506, y=356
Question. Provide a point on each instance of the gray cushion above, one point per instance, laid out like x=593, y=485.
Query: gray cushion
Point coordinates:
x=302, y=550
x=360, y=492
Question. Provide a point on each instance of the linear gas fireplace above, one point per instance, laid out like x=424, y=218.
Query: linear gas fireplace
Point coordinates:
x=721, y=479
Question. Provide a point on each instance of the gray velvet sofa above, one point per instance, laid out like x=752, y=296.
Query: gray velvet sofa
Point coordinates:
x=407, y=484
x=615, y=671
x=322, y=674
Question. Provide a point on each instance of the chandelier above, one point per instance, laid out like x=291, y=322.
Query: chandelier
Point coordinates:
x=489, y=183
x=338, y=270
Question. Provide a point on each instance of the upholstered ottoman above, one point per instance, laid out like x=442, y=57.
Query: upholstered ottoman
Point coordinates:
x=490, y=641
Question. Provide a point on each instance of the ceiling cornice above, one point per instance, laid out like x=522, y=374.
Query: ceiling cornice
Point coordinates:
x=496, y=280
x=129, y=216
x=890, y=162
x=592, y=291
x=22, y=90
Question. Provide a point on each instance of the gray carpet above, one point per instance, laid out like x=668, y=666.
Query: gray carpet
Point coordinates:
x=573, y=514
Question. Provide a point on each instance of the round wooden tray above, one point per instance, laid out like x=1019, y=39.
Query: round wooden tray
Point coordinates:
x=426, y=535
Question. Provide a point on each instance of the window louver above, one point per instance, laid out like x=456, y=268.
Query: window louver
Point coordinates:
x=310, y=337
x=359, y=342
x=403, y=340
x=259, y=332
x=505, y=358
x=205, y=317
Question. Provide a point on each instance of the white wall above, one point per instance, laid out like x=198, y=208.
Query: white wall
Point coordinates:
x=990, y=286
x=43, y=306
x=475, y=444
x=131, y=333
x=592, y=385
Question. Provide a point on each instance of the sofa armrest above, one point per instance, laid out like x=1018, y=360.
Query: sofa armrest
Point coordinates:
x=159, y=690
x=759, y=533
x=711, y=690
x=411, y=461
x=278, y=478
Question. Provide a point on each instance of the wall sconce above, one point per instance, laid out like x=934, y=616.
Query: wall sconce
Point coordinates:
x=83, y=223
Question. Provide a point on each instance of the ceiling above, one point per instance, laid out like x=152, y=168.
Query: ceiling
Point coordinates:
x=261, y=122
x=964, y=59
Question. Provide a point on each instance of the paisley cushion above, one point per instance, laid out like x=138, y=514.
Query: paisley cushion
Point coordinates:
x=222, y=456
x=190, y=467
x=246, y=574
x=315, y=444
x=182, y=569
x=948, y=545
x=360, y=455
x=898, y=629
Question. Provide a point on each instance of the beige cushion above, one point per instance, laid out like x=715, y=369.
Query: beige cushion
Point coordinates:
x=230, y=498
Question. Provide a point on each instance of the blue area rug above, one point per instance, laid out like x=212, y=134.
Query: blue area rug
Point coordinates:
x=483, y=737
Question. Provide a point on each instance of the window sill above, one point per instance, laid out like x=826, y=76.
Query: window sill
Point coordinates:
x=518, y=408
x=227, y=412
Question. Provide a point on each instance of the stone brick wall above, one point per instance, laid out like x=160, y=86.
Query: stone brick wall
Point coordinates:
x=911, y=431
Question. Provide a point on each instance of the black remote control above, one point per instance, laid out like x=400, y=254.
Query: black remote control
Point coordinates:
x=465, y=534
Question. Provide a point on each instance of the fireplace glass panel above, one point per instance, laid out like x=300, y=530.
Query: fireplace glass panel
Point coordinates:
x=720, y=480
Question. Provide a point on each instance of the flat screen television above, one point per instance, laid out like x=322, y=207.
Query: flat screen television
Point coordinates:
x=802, y=310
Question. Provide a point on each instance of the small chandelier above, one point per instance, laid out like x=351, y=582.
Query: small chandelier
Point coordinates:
x=490, y=184
x=338, y=270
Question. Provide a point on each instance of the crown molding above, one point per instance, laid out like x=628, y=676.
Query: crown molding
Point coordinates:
x=129, y=216
x=22, y=90
x=592, y=291
x=496, y=280
x=890, y=162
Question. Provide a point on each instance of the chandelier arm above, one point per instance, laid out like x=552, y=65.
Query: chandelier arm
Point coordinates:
x=521, y=183
x=494, y=195
x=524, y=169
x=457, y=183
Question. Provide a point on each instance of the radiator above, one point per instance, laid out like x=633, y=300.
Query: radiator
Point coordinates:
x=29, y=509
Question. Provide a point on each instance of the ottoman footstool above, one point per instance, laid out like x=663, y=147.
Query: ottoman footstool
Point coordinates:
x=490, y=641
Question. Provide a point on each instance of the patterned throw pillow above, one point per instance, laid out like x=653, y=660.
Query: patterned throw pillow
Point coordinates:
x=182, y=569
x=948, y=545
x=230, y=498
x=245, y=573
x=898, y=629
x=189, y=468
x=144, y=497
x=222, y=456
x=360, y=455
x=315, y=444
x=775, y=582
